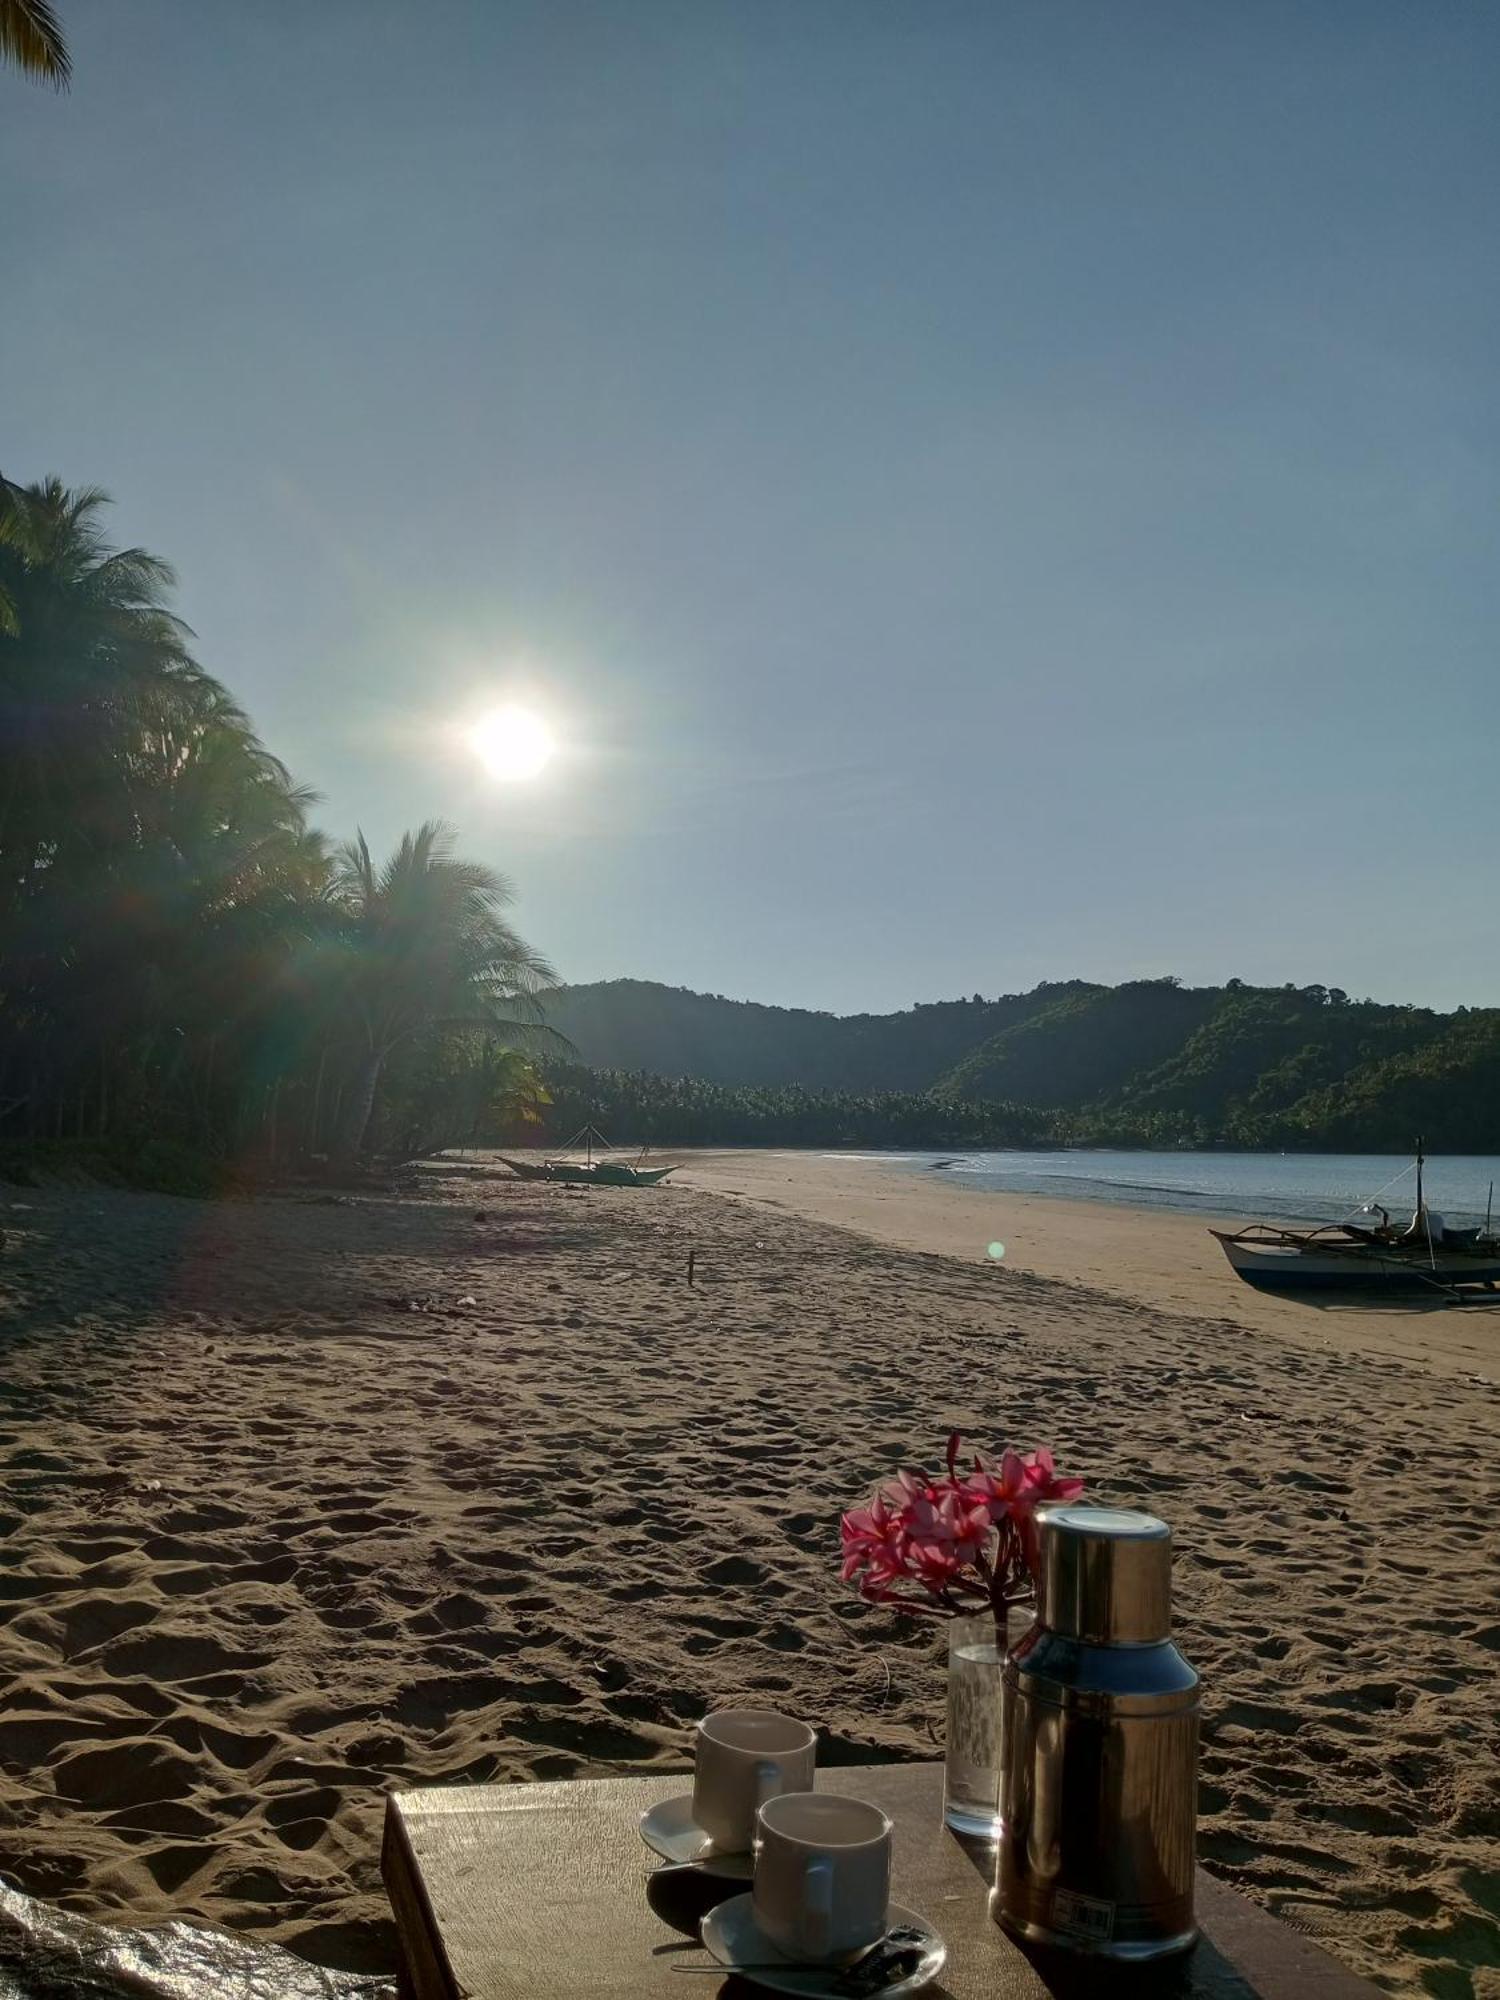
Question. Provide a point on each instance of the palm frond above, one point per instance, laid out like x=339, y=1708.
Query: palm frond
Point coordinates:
x=134, y=576
x=31, y=37
x=354, y=872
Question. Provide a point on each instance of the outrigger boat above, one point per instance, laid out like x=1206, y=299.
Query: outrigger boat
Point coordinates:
x=1424, y=1252
x=606, y=1173
x=589, y=1172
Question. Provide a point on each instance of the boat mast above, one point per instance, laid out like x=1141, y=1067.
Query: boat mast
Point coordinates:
x=1421, y=1205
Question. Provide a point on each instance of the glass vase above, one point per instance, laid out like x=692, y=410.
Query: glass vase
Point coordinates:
x=971, y=1771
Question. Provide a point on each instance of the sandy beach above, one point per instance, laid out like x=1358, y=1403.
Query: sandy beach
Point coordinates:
x=1154, y=1256
x=309, y=1496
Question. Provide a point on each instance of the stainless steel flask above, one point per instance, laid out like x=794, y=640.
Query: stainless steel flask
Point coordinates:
x=1100, y=1747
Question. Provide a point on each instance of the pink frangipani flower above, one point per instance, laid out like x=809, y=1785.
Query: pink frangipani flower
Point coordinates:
x=961, y=1542
x=869, y=1534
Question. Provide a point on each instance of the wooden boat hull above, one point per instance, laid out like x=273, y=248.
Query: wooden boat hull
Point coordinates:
x=1274, y=1267
x=602, y=1174
x=525, y=1170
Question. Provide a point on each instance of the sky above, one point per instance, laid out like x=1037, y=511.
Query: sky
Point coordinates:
x=983, y=490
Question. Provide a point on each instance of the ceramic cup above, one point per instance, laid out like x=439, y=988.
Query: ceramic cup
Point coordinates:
x=822, y=1874
x=744, y=1757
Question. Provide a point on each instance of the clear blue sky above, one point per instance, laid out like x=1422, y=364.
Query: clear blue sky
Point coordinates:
x=988, y=489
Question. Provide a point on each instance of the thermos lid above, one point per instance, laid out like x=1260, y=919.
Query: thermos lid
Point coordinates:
x=1106, y=1575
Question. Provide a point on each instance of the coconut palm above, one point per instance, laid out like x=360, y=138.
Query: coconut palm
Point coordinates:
x=178, y=954
x=227, y=888
x=31, y=37
x=156, y=869
x=450, y=1086
x=89, y=658
x=428, y=947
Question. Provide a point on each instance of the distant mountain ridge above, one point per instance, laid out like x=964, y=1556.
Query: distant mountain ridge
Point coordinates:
x=1148, y=1062
x=635, y=1024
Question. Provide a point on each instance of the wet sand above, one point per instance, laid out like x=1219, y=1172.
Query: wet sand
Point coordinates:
x=305, y=1498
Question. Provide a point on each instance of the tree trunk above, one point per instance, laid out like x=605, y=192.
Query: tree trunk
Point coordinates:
x=314, y=1125
x=208, y=1089
x=363, y=1103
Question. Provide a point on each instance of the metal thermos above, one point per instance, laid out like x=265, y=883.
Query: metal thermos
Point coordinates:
x=1098, y=1794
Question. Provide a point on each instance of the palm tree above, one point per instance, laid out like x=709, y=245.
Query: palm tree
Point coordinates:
x=429, y=948
x=31, y=37
x=178, y=954
x=226, y=890
x=461, y=1086
x=89, y=655
x=156, y=869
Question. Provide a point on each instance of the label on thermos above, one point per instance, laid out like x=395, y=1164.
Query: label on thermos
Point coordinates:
x=1082, y=1916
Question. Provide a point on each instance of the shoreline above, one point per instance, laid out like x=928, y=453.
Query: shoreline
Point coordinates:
x=1155, y=1257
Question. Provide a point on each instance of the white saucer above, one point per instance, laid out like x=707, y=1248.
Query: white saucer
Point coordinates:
x=669, y=1830
x=733, y=1937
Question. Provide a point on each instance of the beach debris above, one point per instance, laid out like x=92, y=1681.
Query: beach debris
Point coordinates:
x=430, y=1302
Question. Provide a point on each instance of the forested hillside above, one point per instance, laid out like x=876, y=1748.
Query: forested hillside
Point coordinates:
x=1083, y=1042
x=1147, y=1063
x=635, y=1024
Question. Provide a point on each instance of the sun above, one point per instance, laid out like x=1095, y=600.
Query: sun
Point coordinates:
x=512, y=743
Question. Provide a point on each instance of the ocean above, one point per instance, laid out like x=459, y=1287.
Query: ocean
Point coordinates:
x=1302, y=1187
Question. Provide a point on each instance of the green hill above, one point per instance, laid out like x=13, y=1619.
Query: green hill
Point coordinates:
x=1084, y=1044
x=1148, y=1063
x=635, y=1024
x=1446, y=1087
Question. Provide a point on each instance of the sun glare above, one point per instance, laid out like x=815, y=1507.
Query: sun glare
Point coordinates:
x=512, y=743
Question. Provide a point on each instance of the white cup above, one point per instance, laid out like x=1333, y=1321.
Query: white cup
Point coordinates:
x=744, y=1757
x=822, y=1874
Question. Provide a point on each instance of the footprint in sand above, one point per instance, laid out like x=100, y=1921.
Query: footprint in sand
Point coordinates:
x=134, y=1772
x=164, y=1655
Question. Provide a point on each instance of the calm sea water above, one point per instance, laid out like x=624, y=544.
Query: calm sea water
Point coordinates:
x=1309, y=1187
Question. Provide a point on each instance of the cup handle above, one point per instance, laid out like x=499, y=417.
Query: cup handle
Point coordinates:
x=767, y=1783
x=817, y=1906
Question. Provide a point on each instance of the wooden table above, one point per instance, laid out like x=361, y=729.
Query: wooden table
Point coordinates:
x=539, y=1890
